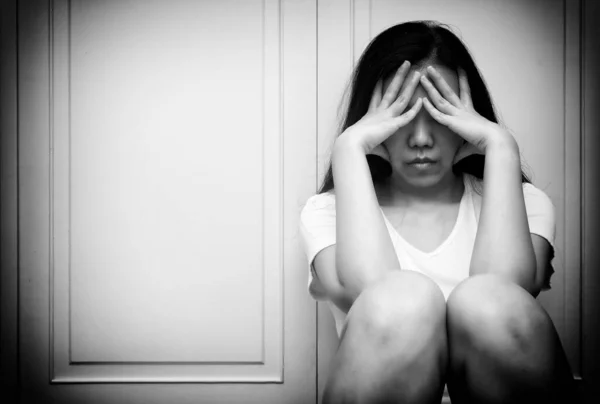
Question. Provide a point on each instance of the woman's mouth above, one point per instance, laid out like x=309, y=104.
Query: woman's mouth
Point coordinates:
x=422, y=166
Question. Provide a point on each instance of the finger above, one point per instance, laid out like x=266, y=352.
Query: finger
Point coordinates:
x=465, y=90
x=436, y=98
x=444, y=87
x=409, y=115
x=376, y=96
x=434, y=112
x=392, y=90
x=406, y=94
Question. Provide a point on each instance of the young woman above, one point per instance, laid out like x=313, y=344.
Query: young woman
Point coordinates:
x=427, y=240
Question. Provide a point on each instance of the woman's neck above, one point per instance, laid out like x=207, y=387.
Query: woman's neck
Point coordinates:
x=400, y=194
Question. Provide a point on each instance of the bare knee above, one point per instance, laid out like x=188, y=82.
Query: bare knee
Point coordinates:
x=489, y=303
x=503, y=335
x=403, y=300
x=395, y=346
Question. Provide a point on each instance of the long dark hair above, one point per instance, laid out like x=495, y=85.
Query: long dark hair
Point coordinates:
x=419, y=42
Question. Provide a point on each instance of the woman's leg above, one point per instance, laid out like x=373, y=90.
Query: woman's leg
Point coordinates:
x=394, y=347
x=503, y=347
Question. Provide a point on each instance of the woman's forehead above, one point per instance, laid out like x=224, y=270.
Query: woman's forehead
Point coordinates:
x=449, y=76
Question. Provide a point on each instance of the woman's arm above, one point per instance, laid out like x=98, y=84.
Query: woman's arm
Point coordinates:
x=503, y=242
x=364, y=249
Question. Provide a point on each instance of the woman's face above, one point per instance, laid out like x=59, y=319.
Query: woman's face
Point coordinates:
x=423, y=137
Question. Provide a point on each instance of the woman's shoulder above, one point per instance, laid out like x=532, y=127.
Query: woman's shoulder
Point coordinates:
x=536, y=197
x=530, y=187
x=322, y=200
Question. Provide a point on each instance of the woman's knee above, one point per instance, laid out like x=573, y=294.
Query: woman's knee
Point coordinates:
x=402, y=300
x=490, y=310
x=498, y=330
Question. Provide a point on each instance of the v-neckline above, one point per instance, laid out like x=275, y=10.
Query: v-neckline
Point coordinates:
x=459, y=219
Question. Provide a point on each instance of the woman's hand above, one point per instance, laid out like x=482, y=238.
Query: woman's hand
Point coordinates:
x=384, y=116
x=458, y=114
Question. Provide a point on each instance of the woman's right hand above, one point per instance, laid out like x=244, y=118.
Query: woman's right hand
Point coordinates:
x=385, y=116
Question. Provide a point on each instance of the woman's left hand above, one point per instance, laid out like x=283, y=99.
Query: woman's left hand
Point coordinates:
x=458, y=114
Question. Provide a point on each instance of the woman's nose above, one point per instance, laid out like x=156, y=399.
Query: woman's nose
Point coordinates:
x=420, y=135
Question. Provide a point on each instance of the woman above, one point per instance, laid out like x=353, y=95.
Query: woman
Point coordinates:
x=432, y=245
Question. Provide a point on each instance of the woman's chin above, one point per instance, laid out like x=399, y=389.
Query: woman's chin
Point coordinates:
x=419, y=176
x=417, y=181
